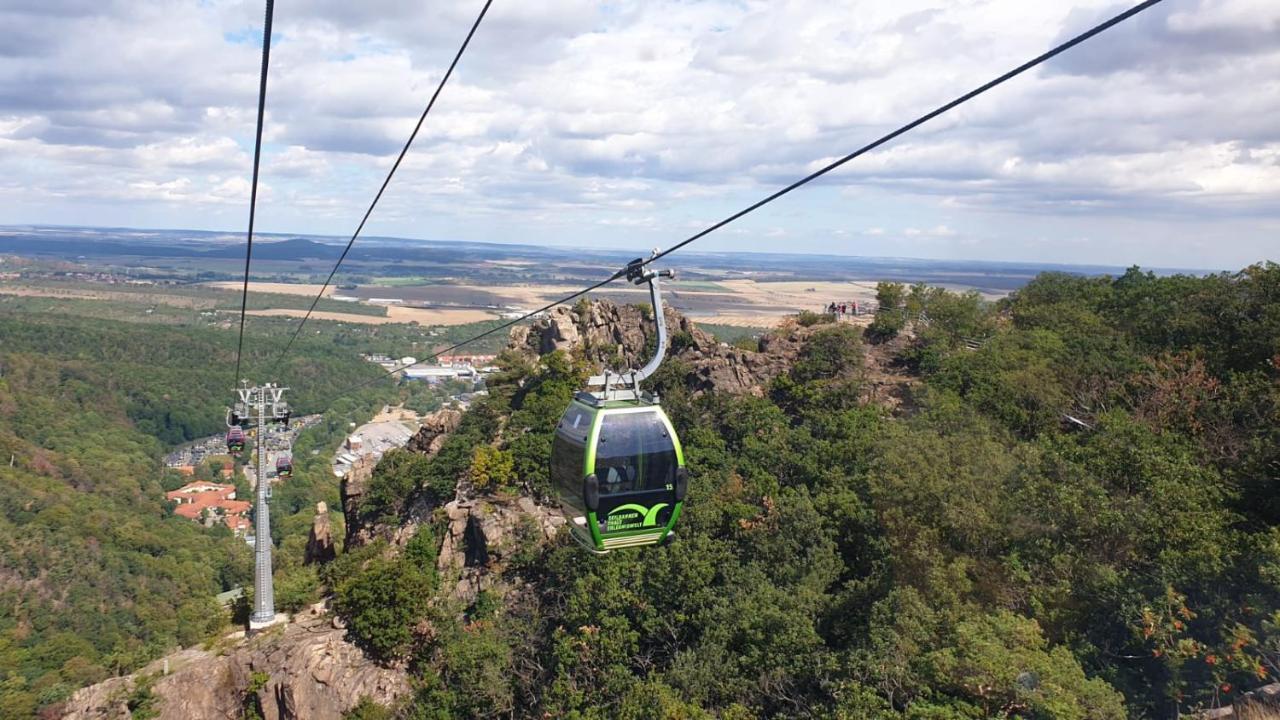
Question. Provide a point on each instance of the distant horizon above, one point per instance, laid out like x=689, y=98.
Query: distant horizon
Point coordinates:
x=340, y=240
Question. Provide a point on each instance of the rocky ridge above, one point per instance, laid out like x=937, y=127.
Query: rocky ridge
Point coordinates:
x=479, y=534
x=619, y=337
x=305, y=670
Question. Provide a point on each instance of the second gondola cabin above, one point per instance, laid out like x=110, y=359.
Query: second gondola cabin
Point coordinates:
x=235, y=439
x=619, y=470
x=284, y=466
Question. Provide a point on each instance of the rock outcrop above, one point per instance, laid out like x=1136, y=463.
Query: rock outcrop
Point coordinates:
x=354, y=485
x=320, y=548
x=619, y=337
x=435, y=427
x=306, y=670
x=482, y=534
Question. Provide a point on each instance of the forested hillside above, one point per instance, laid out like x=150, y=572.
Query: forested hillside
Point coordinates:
x=1071, y=514
x=96, y=575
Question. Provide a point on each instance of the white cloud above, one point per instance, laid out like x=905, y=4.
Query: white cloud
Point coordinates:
x=648, y=115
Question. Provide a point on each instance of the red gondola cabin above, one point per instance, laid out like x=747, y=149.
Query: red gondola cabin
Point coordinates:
x=235, y=439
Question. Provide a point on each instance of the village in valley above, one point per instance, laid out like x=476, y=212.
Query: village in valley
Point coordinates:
x=219, y=485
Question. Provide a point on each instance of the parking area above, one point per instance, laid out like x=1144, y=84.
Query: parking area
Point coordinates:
x=372, y=439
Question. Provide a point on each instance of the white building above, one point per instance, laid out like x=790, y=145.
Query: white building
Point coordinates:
x=437, y=373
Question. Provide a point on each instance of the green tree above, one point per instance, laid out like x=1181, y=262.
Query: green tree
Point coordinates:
x=382, y=602
x=397, y=475
x=890, y=316
x=491, y=468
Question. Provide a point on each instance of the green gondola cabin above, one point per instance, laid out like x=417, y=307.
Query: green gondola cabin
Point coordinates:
x=619, y=471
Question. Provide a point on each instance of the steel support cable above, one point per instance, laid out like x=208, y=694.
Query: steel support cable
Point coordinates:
x=395, y=166
x=1038, y=60
x=253, y=188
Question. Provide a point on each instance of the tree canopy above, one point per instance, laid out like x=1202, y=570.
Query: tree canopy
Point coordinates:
x=1073, y=516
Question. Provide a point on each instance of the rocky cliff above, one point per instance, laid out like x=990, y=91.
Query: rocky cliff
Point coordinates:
x=481, y=535
x=305, y=670
x=320, y=545
x=619, y=337
x=353, y=486
x=430, y=436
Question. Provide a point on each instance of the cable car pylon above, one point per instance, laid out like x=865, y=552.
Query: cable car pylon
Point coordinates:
x=616, y=461
x=264, y=404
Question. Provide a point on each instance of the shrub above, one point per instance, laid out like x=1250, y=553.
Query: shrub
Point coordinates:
x=885, y=327
x=486, y=605
x=423, y=548
x=830, y=353
x=367, y=709
x=808, y=318
x=397, y=474
x=381, y=604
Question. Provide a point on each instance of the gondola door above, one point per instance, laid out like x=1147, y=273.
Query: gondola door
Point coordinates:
x=636, y=466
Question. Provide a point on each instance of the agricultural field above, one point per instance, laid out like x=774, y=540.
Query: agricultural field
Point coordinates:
x=189, y=277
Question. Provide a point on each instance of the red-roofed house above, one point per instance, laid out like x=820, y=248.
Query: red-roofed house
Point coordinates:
x=239, y=524
x=190, y=511
x=235, y=507
x=187, y=493
x=208, y=501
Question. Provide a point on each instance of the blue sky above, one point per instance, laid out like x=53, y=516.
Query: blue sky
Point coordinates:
x=633, y=124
